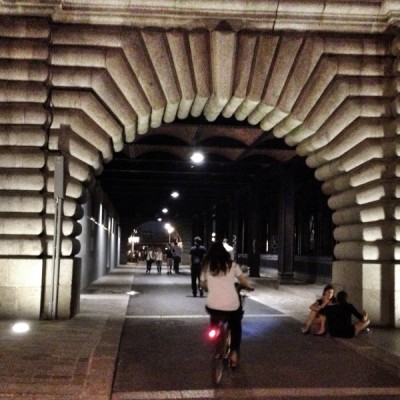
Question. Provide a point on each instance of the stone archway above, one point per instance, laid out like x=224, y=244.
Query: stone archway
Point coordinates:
x=84, y=90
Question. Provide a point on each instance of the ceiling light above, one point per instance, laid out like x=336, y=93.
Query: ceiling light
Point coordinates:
x=174, y=195
x=164, y=210
x=197, y=157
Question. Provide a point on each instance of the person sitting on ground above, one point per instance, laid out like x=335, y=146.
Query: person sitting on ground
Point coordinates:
x=338, y=318
x=218, y=275
x=314, y=318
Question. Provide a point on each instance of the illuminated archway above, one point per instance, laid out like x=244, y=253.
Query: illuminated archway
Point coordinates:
x=84, y=91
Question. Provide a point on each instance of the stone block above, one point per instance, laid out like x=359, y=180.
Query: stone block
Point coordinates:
x=369, y=286
x=25, y=273
x=64, y=302
x=28, y=300
x=8, y=302
x=21, y=294
x=68, y=289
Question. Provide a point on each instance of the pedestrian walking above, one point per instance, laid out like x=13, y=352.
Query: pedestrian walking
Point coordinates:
x=169, y=257
x=158, y=257
x=197, y=253
x=176, y=253
x=149, y=260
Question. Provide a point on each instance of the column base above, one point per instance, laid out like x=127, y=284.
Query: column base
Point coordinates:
x=285, y=277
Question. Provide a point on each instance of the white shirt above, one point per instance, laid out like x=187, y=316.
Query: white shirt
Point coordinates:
x=222, y=294
x=158, y=255
x=176, y=251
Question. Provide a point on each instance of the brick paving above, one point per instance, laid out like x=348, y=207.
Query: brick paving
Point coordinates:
x=76, y=359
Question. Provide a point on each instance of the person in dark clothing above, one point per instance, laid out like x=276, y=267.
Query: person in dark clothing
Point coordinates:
x=170, y=258
x=176, y=253
x=197, y=252
x=338, y=318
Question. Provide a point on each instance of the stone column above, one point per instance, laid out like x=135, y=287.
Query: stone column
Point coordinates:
x=286, y=227
x=363, y=186
x=253, y=232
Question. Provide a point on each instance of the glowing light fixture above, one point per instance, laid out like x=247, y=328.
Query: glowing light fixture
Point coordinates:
x=169, y=229
x=20, y=327
x=197, y=157
x=165, y=210
x=175, y=195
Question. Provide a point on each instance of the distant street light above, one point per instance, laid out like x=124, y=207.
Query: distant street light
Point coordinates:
x=169, y=229
x=132, y=240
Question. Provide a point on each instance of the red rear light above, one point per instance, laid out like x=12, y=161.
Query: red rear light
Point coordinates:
x=213, y=332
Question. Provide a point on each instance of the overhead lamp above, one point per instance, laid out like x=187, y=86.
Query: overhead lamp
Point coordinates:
x=164, y=210
x=197, y=157
x=174, y=195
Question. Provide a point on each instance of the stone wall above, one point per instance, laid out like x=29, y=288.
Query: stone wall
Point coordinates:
x=83, y=90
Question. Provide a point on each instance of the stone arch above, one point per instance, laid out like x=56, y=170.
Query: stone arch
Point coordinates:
x=84, y=92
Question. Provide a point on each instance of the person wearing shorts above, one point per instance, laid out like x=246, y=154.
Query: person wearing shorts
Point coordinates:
x=338, y=318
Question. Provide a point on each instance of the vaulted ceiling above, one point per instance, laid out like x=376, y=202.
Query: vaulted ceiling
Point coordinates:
x=140, y=179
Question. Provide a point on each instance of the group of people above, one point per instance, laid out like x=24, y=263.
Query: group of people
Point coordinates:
x=333, y=315
x=172, y=253
x=216, y=271
x=154, y=256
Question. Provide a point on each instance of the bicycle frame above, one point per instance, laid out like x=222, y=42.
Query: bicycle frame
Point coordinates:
x=221, y=335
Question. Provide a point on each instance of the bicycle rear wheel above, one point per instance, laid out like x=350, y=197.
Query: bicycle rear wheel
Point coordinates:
x=220, y=358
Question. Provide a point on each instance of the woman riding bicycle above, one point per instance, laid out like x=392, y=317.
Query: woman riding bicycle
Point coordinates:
x=219, y=274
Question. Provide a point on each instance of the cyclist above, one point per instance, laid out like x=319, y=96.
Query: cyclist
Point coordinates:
x=219, y=275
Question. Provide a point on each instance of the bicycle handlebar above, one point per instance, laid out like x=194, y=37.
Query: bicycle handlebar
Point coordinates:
x=240, y=287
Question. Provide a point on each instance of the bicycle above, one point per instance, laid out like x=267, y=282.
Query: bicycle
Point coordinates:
x=220, y=333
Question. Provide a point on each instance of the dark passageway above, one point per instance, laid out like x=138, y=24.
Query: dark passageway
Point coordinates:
x=164, y=353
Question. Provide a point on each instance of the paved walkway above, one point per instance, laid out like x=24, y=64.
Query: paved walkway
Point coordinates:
x=76, y=359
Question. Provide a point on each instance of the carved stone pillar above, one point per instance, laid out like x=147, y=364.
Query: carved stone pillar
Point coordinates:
x=286, y=227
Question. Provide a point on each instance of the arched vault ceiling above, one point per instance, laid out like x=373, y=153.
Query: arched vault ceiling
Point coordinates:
x=235, y=153
x=127, y=91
